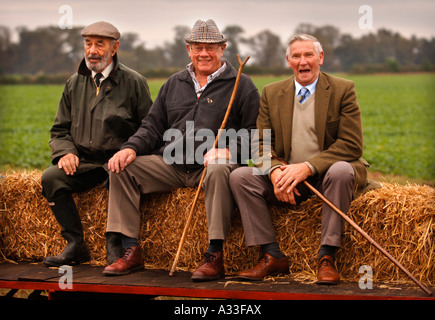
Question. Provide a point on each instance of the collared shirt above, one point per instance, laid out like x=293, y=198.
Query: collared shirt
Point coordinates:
x=311, y=87
x=105, y=72
x=210, y=78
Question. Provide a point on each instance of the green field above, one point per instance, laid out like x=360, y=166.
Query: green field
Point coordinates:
x=398, y=113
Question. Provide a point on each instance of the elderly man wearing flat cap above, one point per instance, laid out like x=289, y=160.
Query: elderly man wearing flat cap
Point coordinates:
x=191, y=101
x=101, y=107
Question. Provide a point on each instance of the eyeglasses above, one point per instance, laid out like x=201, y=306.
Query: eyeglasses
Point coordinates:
x=209, y=48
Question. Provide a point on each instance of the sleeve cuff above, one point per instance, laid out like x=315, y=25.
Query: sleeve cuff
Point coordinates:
x=313, y=170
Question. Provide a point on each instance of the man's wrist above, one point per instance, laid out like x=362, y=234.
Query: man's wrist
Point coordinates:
x=313, y=170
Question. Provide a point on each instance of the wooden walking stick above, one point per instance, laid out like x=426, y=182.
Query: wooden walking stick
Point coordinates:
x=363, y=233
x=198, y=190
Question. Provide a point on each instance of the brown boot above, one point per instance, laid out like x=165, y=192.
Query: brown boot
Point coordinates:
x=327, y=272
x=130, y=262
x=268, y=266
x=211, y=269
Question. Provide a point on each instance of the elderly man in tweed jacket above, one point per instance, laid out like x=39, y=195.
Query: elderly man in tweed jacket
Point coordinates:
x=315, y=123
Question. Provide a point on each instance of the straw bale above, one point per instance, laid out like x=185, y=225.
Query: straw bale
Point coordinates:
x=400, y=218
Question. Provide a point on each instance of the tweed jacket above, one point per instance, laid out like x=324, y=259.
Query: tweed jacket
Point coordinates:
x=337, y=123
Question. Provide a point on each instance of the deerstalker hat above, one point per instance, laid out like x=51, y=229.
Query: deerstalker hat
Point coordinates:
x=102, y=29
x=205, y=32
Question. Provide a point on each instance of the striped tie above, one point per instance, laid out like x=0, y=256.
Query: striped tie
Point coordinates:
x=303, y=94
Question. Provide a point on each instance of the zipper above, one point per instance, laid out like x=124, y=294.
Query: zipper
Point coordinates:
x=98, y=88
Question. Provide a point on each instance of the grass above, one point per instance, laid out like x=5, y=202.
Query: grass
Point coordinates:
x=26, y=115
x=398, y=113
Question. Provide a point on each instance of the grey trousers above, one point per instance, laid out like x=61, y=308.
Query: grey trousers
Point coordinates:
x=149, y=174
x=253, y=192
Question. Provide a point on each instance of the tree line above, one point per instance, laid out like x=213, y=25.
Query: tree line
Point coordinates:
x=53, y=51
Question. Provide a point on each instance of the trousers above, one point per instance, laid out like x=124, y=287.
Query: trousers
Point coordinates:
x=149, y=174
x=252, y=192
x=57, y=188
x=56, y=183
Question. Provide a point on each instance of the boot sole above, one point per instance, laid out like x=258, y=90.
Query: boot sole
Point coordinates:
x=67, y=263
x=122, y=273
x=327, y=282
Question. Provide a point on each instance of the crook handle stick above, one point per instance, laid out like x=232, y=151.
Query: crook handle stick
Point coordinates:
x=363, y=233
x=198, y=190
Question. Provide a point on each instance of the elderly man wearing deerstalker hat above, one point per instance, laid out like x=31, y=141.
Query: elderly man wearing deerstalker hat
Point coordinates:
x=102, y=105
x=168, y=149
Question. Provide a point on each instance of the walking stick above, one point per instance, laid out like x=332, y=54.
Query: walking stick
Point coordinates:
x=198, y=190
x=363, y=233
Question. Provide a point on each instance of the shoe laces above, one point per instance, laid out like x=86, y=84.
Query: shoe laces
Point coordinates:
x=265, y=259
x=209, y=257
x=127, y=252
x=324, y=262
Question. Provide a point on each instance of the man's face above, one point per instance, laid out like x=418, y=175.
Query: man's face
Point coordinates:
x=305, y=61
x=99, y=52
x=206, y=57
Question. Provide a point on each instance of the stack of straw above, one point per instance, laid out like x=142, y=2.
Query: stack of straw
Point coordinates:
x=400, y=218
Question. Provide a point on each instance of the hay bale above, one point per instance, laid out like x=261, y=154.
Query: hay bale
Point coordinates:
x=400, y=218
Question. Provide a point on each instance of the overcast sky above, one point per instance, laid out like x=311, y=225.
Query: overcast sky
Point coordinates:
x=154, y=20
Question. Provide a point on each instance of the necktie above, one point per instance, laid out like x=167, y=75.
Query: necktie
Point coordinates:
x=97, y=79
x=304, y=93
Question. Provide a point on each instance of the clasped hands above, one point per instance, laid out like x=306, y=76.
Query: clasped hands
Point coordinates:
x=286, y=178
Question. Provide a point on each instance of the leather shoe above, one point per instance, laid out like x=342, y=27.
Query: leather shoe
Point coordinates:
x=268, y=266
x=327, y=272
x=211, y=269
x=130, y=262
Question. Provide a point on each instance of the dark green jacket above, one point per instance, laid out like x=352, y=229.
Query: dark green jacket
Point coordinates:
x=92, y=126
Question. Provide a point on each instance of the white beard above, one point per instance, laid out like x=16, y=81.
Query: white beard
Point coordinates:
x=98, y=66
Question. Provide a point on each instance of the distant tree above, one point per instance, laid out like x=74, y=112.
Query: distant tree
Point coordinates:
x=177, y=53
x=51, y=50
x=128, y=41
x=267, y=50
x=232, y=34
x=7, y=51
x=42, y=51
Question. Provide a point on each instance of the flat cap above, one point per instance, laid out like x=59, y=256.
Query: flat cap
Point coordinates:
x=205, y=32
x=101, y=29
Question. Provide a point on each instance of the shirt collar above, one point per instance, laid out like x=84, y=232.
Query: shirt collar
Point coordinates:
x=311, y=87
x=190, y=67
x=105, y=72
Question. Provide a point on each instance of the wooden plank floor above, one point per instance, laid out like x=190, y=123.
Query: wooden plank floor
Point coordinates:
x=89, y=278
